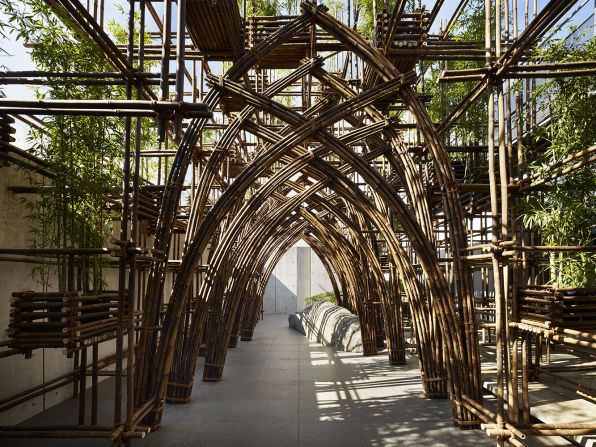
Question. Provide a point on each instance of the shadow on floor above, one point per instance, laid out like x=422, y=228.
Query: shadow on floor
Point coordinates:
x=283, y=390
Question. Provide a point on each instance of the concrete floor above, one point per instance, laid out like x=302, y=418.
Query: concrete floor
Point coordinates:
x=283, y=390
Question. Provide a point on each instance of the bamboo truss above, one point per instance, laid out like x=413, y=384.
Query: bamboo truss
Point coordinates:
x=411, y=241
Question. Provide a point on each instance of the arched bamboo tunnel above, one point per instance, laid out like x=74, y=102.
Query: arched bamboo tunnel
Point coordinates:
x=301, y=128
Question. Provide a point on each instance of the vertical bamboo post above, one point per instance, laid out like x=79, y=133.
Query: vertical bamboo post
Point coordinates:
x=526, y=354
x=492, y=175
x=134, y=232
x=94, y=377
x=165, y=62
x=124, y=234
x=180, y=52
x=82, y=385
x=75, y=375
x=76, y=362
x=504, y=181
x=515, y=229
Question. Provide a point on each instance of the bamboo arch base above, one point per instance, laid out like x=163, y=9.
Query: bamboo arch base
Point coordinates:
x=174, y=389
x=397, y=357
x=212, y=372
x=246, y=334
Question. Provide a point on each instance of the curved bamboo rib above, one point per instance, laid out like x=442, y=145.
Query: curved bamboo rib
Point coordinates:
x=204, y=226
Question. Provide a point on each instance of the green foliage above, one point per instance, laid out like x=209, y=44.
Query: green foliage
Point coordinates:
x=366, y=19
x=566, y=212
x=471, y=127
x=119, y=33
x=569, y=101
x=263, y=7
x=336, y=7
x=82, y=151
x=325, y=296
x=565, y=216
x=292, y=6
x=149, y=137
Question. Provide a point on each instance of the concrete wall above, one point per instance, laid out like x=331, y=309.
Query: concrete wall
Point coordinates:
x=16, y=372
x=297, y=275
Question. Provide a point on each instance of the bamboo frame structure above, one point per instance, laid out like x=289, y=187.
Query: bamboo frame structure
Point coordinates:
x=409, y=242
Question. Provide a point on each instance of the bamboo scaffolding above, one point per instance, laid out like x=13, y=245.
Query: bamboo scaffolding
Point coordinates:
x=371, y=196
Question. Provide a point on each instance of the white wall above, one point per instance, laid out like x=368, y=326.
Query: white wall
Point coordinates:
x=297, y=275
x=16, y=372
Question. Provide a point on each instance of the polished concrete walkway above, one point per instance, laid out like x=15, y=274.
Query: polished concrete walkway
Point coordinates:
x=282, y=390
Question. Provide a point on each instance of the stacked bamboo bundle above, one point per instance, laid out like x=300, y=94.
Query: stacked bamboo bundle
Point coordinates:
x=6, y=128
x=291, y=53
x=258, y=82
x=150, y=197
x=69, y=320
x=261, y=27
x=549, y=307
x=215, y=27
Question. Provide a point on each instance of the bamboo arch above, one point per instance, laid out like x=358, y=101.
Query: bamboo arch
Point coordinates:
x=462, y=355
